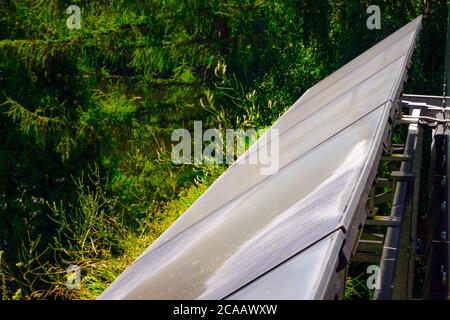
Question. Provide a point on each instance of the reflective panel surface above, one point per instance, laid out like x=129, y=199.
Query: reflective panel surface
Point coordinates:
x=299, y=277
x=250, y=235
x=364, y=84
x=261, y=228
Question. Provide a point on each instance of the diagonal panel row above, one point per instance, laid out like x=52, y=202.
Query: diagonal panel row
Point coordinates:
x=249, y=233
x=348, y=96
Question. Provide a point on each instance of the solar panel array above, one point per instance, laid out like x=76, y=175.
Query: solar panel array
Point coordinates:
x=252, y=236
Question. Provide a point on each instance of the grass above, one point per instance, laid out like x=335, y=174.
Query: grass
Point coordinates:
x=98, y=275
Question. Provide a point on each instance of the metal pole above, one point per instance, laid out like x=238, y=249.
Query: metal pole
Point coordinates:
x=388, y=262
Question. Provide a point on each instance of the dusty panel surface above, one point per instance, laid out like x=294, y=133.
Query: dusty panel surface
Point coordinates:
x=250, y=230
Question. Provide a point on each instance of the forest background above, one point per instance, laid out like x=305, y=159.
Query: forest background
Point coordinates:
x=86, y=115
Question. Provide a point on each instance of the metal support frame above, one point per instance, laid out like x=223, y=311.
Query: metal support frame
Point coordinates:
x=438, y=214
x=396, y=249
x=404, y=275
x=396, y=236
x=385, y=249
x=437, y=258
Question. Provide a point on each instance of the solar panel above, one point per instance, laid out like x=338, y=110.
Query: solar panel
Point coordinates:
x=249, y=233
x=301, y=277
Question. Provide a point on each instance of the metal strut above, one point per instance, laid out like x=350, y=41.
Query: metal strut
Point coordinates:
x=395, y=251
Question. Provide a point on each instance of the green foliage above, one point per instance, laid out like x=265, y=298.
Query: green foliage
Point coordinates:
x=356, y=288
